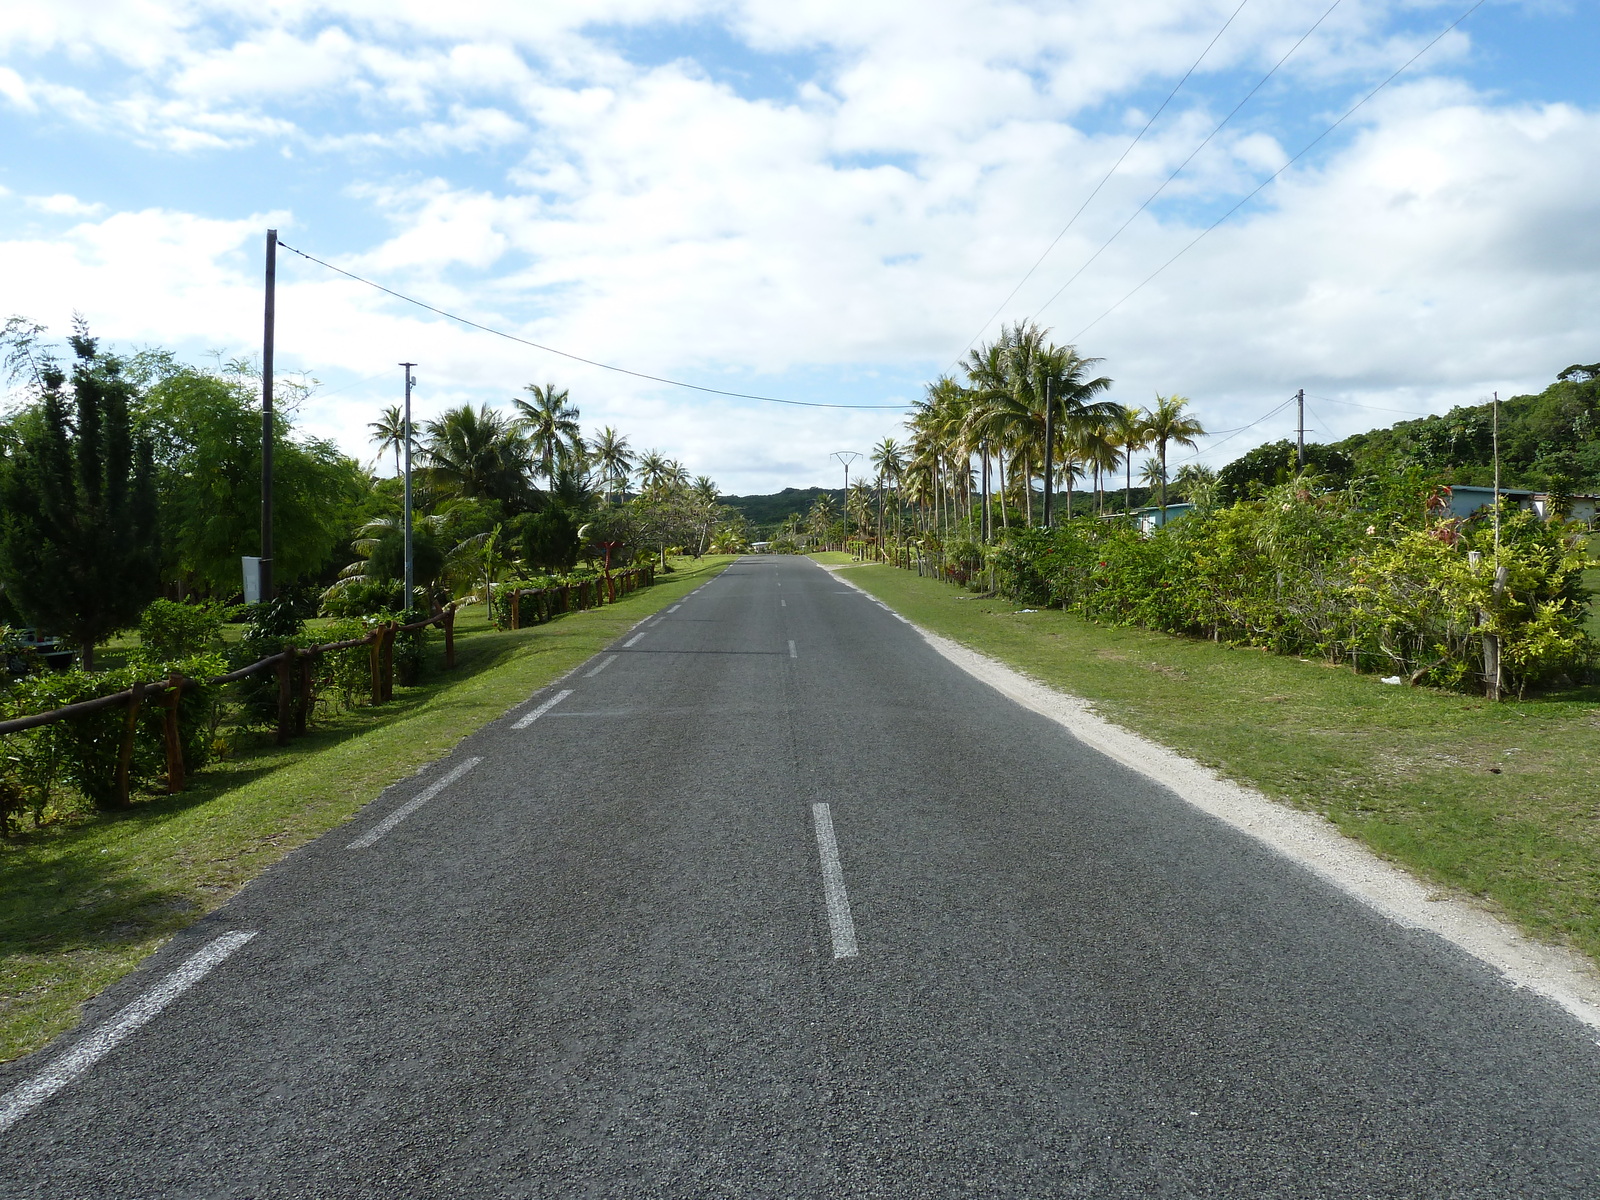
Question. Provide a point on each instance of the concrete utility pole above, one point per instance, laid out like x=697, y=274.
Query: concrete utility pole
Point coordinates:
x=266, y=416
x=1049, y=457
x=846, y=457
x=1300, y=432
x=411, y=582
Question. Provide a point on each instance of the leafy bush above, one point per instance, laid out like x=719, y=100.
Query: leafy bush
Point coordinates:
x=169, y=631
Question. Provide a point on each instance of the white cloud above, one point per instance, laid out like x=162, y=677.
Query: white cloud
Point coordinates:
x=64, y=205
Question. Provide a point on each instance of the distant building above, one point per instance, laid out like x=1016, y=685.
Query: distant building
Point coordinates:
x=1466, y=499
x=1153, y=517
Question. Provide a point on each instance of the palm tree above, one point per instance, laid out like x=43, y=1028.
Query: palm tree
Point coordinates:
x=889, y=462
x=1096, y=442
x=389, y=432
x=1198, y=484
x=1167, y=423
x=653, y=470
x=476, y=452
x=551, y=422
x=612, y=456
x=1132, y=436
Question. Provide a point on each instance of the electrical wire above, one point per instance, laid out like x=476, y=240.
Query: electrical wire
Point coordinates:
x=1149, y=200
x=1350, y=112
x=695, y=387
x=1234, y=433
x=1105, y=179
x=1405, y=412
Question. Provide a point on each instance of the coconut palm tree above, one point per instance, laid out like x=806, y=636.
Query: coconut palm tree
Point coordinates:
x=1167, y=423
x=613, y=457
x=653, y=470
x=551, y=422
x=889, y=461
x=1132, y=436
x=476, y=452
x=389, y=432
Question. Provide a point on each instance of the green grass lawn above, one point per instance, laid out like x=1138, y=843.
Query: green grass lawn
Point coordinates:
x=833, y=558
x=1498, y=802
x=83, y=903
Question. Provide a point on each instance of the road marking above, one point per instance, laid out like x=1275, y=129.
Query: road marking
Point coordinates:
x=632, y=640
x=604, y=663
x=25, y=1097
x=792, y=653
x=410, y=806
x=524, y=722
x=782, y=603
x=674, y=608
x=840, y=924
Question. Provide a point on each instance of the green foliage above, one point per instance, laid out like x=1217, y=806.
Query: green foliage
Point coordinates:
x=1273, y=465
x=387, y=562
x=169, y=631
x=207, y=429
x=550, y=540
x=79, y=543
x=365, y=599
x=1357, y=576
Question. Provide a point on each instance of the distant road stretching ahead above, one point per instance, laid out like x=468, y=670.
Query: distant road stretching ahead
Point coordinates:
x=772, y=900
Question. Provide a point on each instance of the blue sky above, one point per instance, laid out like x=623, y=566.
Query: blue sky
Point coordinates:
x=815, y=200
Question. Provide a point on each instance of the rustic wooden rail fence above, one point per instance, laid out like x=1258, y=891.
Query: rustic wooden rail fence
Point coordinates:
x=288, y=664
x=534, y=606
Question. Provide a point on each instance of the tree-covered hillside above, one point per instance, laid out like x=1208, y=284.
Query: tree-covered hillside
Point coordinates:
x=1550, y=441
x=766, y=513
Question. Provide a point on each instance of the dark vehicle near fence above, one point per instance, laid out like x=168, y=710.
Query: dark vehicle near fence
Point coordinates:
x=33, y=648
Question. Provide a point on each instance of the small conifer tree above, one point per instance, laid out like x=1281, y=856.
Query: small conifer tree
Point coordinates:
x=79, y=535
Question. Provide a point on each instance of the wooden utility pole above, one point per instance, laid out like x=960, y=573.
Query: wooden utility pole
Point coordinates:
x=266, y=416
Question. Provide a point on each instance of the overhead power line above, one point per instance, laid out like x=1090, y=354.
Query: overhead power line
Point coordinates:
x=1233, y=433
x=511, y=337
x=1106, y=178
x=1306, y=149
x=1178, y=170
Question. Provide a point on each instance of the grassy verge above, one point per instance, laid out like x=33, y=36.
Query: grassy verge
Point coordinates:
x=82, y=904
x=1498, y=802
x=833, y=558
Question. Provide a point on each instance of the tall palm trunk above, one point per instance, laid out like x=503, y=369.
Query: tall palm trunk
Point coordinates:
x=1027, y=484
x=1000, y=462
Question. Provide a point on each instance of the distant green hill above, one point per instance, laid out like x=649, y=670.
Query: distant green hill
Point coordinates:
x=766, y=513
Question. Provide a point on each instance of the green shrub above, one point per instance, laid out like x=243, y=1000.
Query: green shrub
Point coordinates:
x=169, y=631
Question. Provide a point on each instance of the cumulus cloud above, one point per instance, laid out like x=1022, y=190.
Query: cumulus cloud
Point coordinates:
x=838, y=239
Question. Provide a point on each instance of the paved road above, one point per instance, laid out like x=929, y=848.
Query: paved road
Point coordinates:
x=612, y=958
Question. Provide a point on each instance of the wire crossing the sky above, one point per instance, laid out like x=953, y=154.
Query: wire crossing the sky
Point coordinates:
x=1306, y=149
x=1105, y=179
x=511, y=337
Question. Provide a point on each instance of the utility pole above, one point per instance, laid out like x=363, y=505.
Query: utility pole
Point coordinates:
x=1049, y=456
x=1300, y=432
x=846, y=457
x=411, y=582
x=266, y=415
x=1491, y=641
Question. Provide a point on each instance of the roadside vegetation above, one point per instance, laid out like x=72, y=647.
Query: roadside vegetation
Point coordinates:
x=1491, y=801
x=85, y=898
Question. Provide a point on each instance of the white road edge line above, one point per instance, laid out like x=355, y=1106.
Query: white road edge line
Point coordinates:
x=27, y=1096
x=1311, y=840
x=371, y=836
x=792, y=653
x=674, y=608
x=524, y=721
x=632, y=640
x=840, y=923
x=604, y=663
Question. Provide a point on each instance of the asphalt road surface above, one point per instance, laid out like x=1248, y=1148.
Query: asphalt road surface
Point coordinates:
x=771, y=900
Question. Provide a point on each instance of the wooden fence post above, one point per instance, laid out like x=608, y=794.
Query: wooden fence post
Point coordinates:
x=377, y=665
x=125, y=750
x=302, y=710
x=516, y=608
x=169, y=721
x=450, y=637
x=285, y=671
x=388, y=661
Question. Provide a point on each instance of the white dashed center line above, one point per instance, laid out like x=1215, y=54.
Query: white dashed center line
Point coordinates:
x=410, y=806
x=632, y=640
x=603, y=664
x=840, y=924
